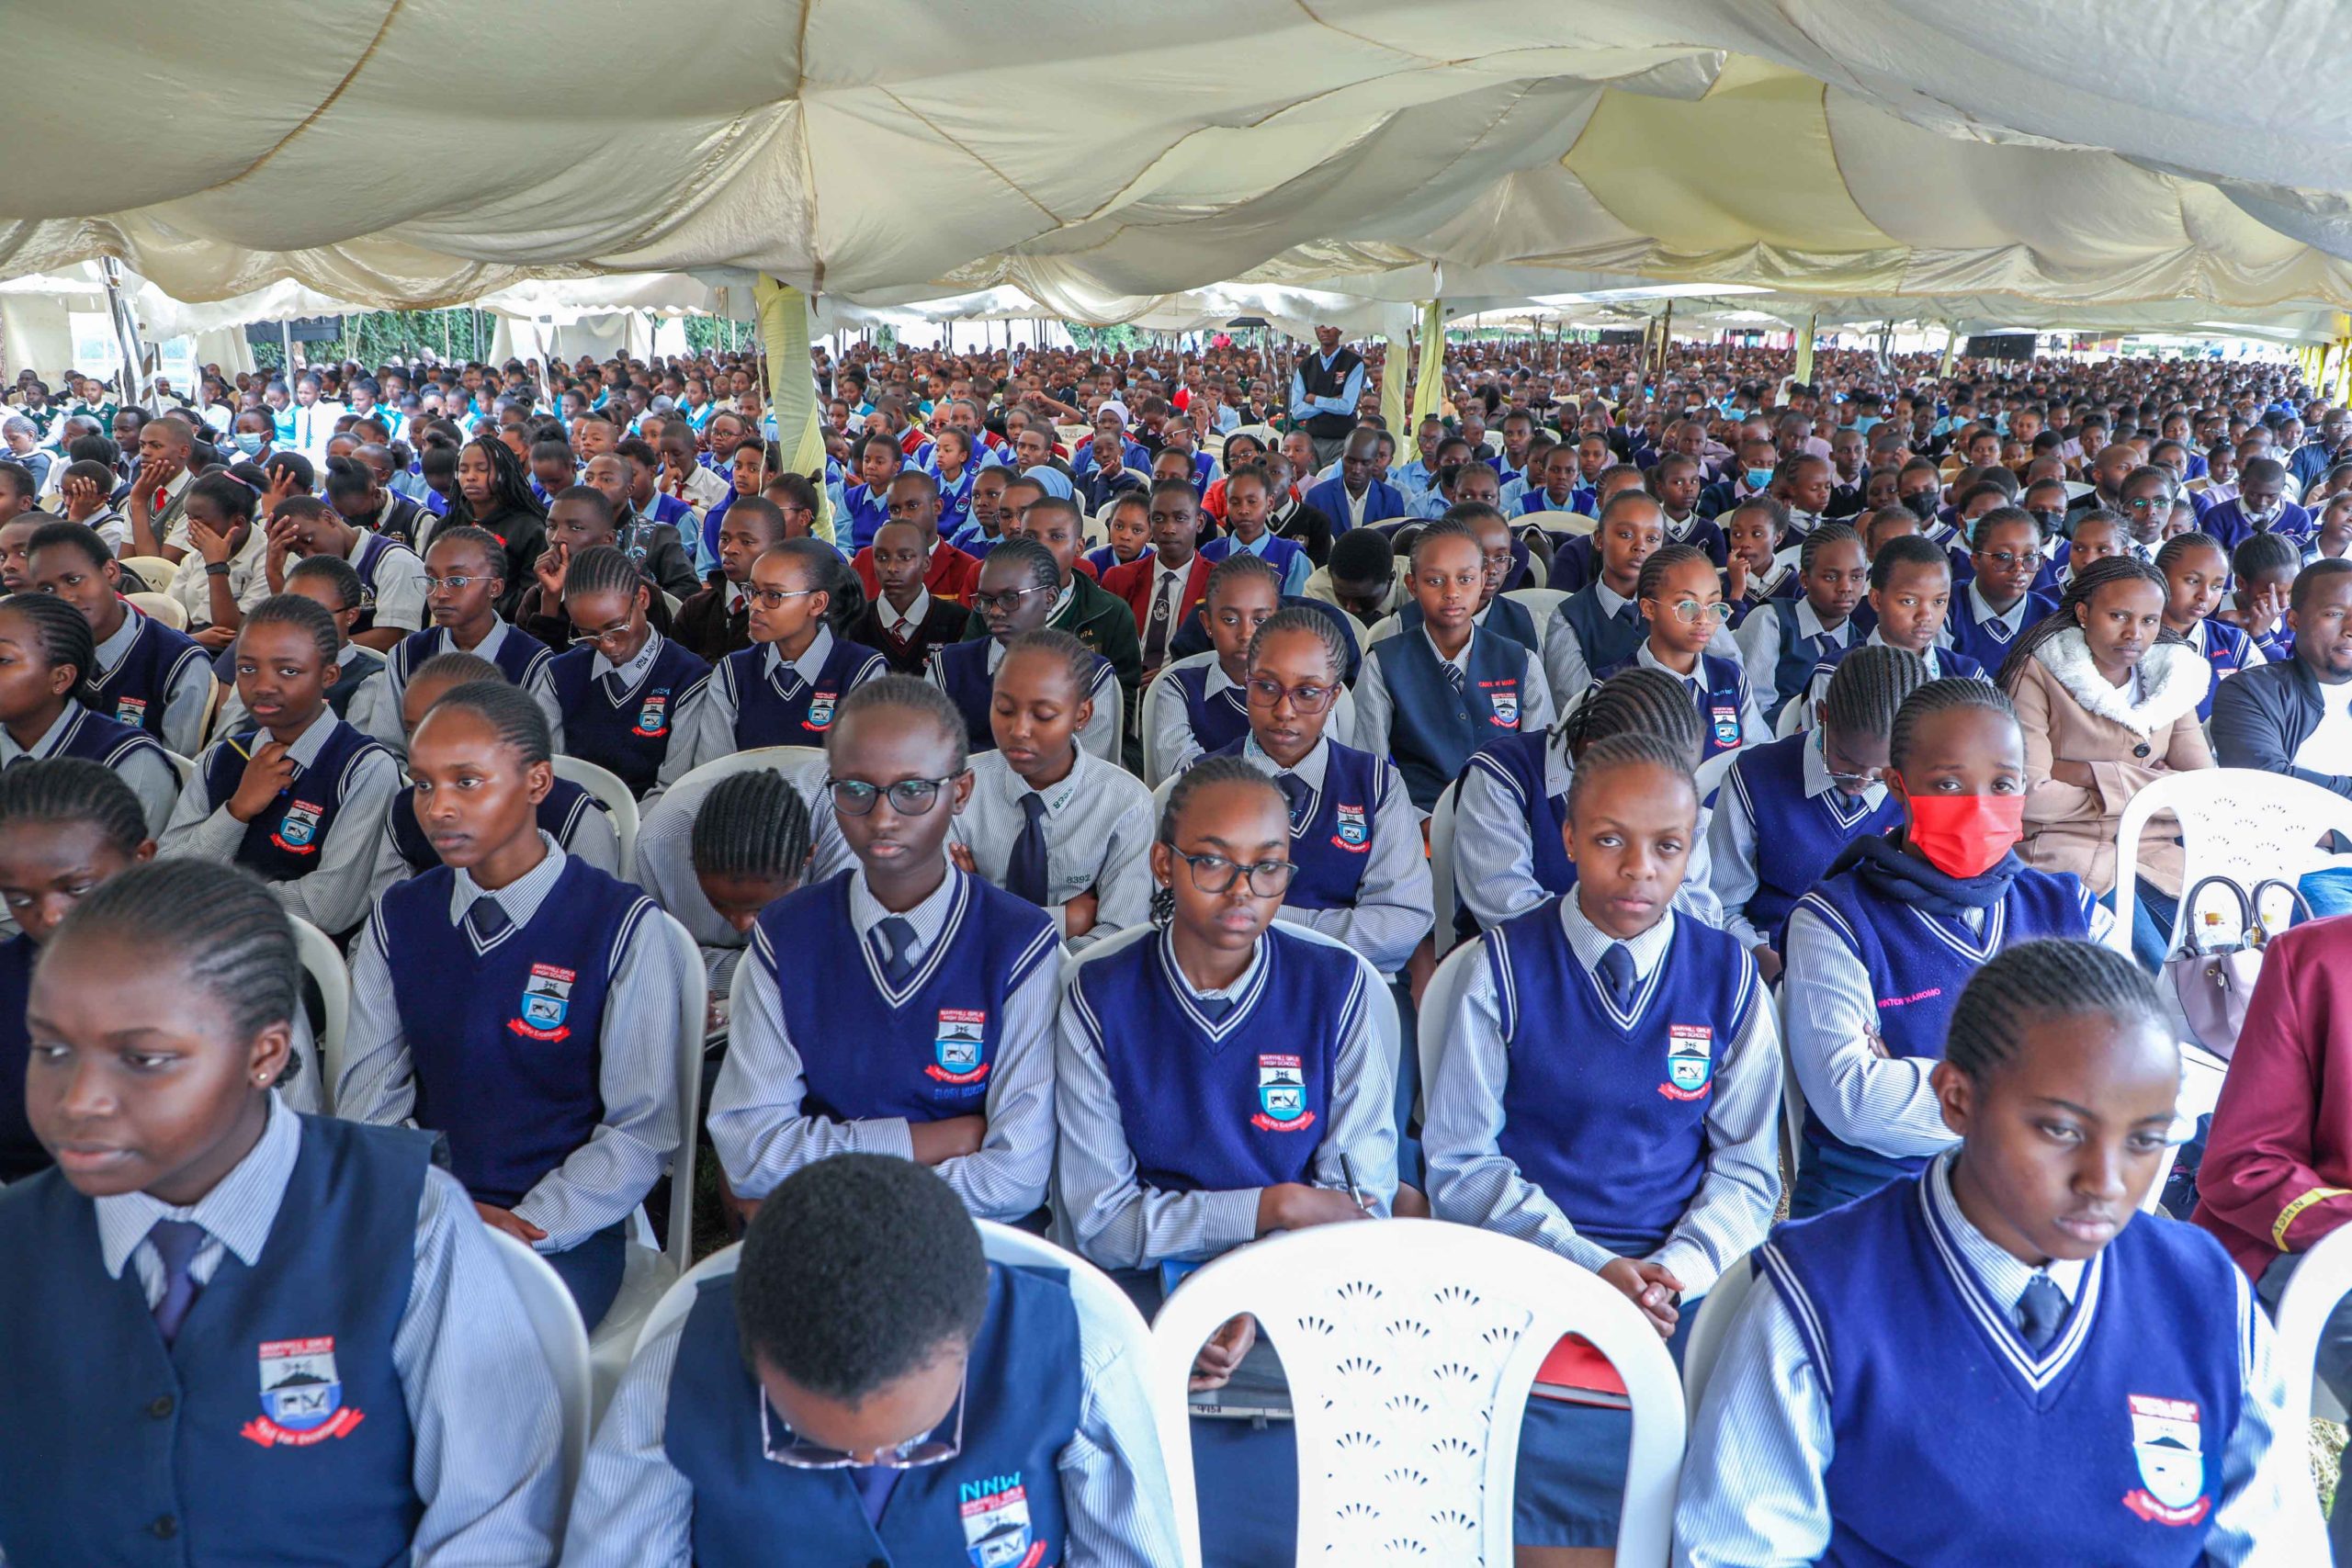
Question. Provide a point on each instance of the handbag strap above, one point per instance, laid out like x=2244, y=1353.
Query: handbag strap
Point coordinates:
x=2258, y=929
x=2188, y=912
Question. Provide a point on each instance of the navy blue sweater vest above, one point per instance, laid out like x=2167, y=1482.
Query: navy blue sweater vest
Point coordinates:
x=560, y=816
x=137, y=689
x=94, y=738
x=1797, y=835
x=519, y=656
x=373, y=550
x=1216, y=722
x=1508, y=616
x=629, y=737
x=1607, y=640
x=785, y=710
x=1434, y=728
x=20, y=1152
x=282, y=843
x=1331, y=844
x=1721, y=697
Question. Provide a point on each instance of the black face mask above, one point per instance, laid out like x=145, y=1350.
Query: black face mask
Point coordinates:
x=2049, y=522
x=1922, y=505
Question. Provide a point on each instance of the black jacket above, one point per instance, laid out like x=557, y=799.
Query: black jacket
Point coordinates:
x=2261, y=715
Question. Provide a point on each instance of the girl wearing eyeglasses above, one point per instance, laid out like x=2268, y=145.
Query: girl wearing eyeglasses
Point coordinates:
x=786, y=688
x=623, y=685
x=465, y=576
x=903, y=1006
x=1998, y=602
x=1681, y=600
x=1018, y=586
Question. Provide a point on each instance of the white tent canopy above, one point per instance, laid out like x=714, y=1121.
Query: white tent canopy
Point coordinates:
x=1853, y=147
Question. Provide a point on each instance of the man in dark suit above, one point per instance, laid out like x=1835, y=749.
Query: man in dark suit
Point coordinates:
x=1164, y=588
x=905, y=620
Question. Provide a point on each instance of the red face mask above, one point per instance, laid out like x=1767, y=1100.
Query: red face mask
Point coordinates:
x=1966, y=835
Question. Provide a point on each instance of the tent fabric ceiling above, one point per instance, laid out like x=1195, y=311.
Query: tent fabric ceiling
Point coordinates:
x=871, y=148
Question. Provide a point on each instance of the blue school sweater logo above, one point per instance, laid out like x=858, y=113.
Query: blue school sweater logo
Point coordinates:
x=2166, y=1440
x=995, y=1512
x=1282, y=1096
x=1502, y=698
x=547, y=1000
x=298, y=834
x=821, y=712
x=301, y=1396
x=1689, y=1061
x=1727, y=723
x=961, y=1048
x=131, y=711
x=654, y=715
x=1355, y=832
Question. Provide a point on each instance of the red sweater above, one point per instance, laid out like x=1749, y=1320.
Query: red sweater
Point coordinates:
x=953, y=574
x=2278, y=1170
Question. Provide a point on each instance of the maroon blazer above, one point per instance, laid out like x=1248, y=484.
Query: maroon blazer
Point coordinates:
x=1133, y=582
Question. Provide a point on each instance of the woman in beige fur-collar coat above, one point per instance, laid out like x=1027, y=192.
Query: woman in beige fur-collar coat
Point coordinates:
x=2108, y=701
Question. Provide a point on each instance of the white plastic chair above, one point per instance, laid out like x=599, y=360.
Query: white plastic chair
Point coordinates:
x=665, y=830
x=1410, y=1346
x=1157, y=766
x=646, y=1274
x=2202, y=1073
x=2240, y=823
x=186, y=767
x=1707, y=1330
x=612, y=795
x=2321, y=1281
x=1541, y=603
x=152, y=573
x=324, y=965
x=548, y=1305
x=160, y=607
x=1708, y=777
x=1448, y=802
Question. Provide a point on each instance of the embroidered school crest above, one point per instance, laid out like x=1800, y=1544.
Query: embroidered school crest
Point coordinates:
x=547, y=1000
x=1355, y=832
x=995, y=1512
x=1689, y=1061
x=959, y=1051
x=1282, y=1096
x=654, y=715
x=821, y=712
x=297, y=832
x=2166, y=1439
x=1727, y=722
x=301, y=1396
x=131, y=711
x=1502, y=701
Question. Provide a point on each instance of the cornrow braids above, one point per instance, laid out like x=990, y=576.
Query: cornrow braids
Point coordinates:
x=1822, y=538
x=2180, y=545
x=1934, y=697
x=1240, y=567
x=330, y=570
x=303, y=614
x=219, y=922
x=1315, y=623
x=1631, y=749
x=65, y=638
x=1045, y=572
x=493, y=552
x=1200, y=776
x=2265, y=551
x=1077, y=659
x=457, y=669
x=512, y=711
x=600, y=568
x=2038, y=980
x=2080, y=587
x=54, y=790
x=908, y=694
x=1660, y=561
x=1868, y=688
x=752, y=823
x=1447, y=528
x=1636, y=701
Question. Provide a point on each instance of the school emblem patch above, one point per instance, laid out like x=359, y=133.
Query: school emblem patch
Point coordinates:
x=547, y=1000
x=301, y=1396
x=2166, y=1439
x=1726, y=723
x=298, y=831
x=821, y=712
x=1355, y=831
x=1282, y=1096
x=654, y=715
x=131, y=711
x=995, y=1512
x=1689, y=1061
x=959, y=1052
x=1502, y=701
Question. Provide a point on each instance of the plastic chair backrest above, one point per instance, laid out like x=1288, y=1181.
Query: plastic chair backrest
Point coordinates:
x=154, y=573
x=2240, y=823
x=160, y=607
x=1410, y=1346
x=2202, y=1073
x=324, y=965
x=1707, y=1330
x=2321, y=1282
x=556, y=1322
x=1156, y=767
x=1541, y=603
x=1441, y=897
x=613, y=796
x=184, y=766
x=693, y=1015
x=1440, y=1000
x=1708, y=777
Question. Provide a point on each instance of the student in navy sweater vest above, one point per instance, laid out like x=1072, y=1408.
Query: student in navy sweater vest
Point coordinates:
x=1503, y=555
x=1781, y=641
x=1019, y=586
x=2053, y=1377
x=903, y=1006
x=1248, y=498
x=785, y=689
x=391, y=578
x=2196, y=574
x=868, y=1387
x=520, y=1002
x=1599, y=625
x=147, y=675
x=1878, y=952
x=1430, y=698
x=46, y=655
x=1681, y=600
x=1790, y=809
x=299, y=799
x=464, y=578
x=1910, y=596
x=1608, y=1091
x=196, y=1229
x=1200, y=702
x=1997, y=603
x=623, y=686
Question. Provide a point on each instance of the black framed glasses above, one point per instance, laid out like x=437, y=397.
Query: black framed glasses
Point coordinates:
x=1002, y=603
x=1215, y=874
x=908, y=797
x=2010, y=559
x=1267, y=694
x=773, y=598
x=913, y=1454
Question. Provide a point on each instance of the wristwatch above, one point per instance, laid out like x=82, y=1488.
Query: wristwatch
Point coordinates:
x=217, y=568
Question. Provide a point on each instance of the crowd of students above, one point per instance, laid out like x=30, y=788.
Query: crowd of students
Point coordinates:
x=1096, y=903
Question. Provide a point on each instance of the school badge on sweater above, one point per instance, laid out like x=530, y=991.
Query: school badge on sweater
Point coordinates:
x=959, y=1051
x=2166, y=1440
x=995, y=1523
x=1689, y=1061
x=297, y=832
x=546, y=1001
x=1282, y=1096
x=301, y=1396
x=654, y=715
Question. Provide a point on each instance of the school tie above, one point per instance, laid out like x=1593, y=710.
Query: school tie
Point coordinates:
x=1214, y=1009
x=1025, y=874
x=1616, y=971
x=1155, y=641
x=875, y=1484
x=1453, y=677
x=485, y=922
x=176, y=1242
x=2040, y=1310
x=894, y=941
x=1295, y=791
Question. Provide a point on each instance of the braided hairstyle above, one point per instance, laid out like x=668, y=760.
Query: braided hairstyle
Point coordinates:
x=512, y=713
x=752, y=823
x=493, y=553
x=1868, y=688
x=909, y=695
x=2180, y=545
x=1631, y=749
x=2080, y=587
x=62, y=635
x=456, y=667
x=2256, y=553
x=1045, y=572
x=1821, y=538
x=1635, y=700
x=600, y=568
x=54, y=790
x=2037, y=980
x=1206, y=773
x=1446, y=527
x=1934, y=697
x=219, y=922
x=1077, y=659
x=333, y=569
x=304, y=615
x=1660, y=561
x=1239, y=567
x=1299, y=618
